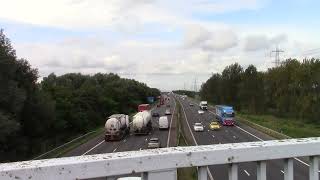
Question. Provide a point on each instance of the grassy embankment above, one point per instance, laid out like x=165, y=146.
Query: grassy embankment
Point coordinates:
x=291, y=127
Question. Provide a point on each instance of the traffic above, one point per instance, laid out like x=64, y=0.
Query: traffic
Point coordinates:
x=118, y=126
x=224, y=116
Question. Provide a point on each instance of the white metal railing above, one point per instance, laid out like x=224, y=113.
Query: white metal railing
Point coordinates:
x=147, y=162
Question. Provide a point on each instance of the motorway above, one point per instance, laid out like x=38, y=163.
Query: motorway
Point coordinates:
x=236, y=134
x=233, y=134
x=131, y=142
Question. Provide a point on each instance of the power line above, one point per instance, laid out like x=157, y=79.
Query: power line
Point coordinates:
x=277, y=52
x=195, y=85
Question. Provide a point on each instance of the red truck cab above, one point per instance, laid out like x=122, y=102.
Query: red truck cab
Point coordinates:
x=143, y=107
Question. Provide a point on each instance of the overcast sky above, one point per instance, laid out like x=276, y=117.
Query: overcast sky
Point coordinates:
x=164, y=43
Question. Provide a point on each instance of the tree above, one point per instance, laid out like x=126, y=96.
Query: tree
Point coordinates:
x=251, y=90
x=231, y=78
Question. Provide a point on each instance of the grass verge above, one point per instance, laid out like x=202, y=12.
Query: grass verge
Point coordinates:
x=189, y=173
x=280, y=127
x=58, y=152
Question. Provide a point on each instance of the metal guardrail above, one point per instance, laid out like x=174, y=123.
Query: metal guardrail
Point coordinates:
x=162, y=160
x=63, y=145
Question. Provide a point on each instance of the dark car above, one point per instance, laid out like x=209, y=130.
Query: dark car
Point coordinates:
x=155, y=114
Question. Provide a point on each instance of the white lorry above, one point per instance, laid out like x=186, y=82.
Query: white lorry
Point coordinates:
x=141, y=122
x=163, y=122
x=116, y=127
x=203, y=105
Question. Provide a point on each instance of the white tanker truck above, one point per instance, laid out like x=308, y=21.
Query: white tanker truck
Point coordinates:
x=142, y=123
x=116, y=127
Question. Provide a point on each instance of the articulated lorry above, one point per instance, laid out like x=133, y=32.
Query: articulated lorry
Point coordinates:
x=141, y=123
x=116, y=127
x=225, y=115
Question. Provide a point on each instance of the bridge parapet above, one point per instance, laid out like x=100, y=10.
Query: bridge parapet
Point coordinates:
x=170, y=159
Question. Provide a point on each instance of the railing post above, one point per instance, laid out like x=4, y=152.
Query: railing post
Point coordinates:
x=233, y=171
x=202, y=173
x=168, y=174
x=288, y=169
x=261, y=170
x=144, y=176
x=314, y=168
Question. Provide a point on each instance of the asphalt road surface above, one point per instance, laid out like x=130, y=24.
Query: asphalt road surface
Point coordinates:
x=234, y=134
x=131, y=142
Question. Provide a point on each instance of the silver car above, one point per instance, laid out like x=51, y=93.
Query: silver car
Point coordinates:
x=154, y=143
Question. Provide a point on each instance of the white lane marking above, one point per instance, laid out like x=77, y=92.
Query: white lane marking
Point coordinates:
x=93, y=148
x=186, y=119
x=168, y=140
x=249, y=133
x=302, y=162
x=208, y=170
x=246, y=172
x=115, y=150
x=282, y=171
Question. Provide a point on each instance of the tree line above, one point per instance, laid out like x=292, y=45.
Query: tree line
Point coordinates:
x=291, y=90
x=37, y=116
x=185, y=92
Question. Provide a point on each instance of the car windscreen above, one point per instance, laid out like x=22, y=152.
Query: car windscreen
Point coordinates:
x=228, y=115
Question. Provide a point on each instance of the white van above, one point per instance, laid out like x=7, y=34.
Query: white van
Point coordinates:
x=163, y=122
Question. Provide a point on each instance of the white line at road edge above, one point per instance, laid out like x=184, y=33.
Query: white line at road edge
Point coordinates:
x=208, y=170
x=168, y=141
x=302, y=162
x=93, y=148
x=246, y=172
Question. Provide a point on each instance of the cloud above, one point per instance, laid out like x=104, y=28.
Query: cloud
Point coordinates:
x=124, y=15
x=263, y=42
x=223, y=6
x=215, y=40
x=82, y=55
x=73, y=14
x=162, y=42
